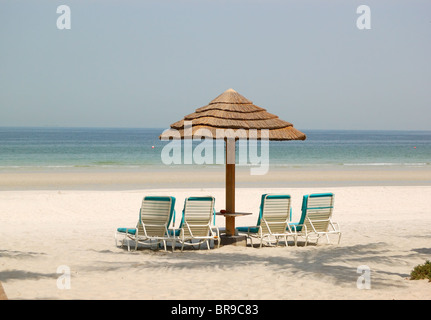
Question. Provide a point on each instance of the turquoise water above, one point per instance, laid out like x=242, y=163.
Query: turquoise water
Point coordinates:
x=45, y=148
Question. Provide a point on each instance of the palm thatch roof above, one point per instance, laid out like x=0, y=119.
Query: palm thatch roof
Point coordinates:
x=231, y=110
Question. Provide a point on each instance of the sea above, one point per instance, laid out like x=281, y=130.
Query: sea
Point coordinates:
x=45, y=148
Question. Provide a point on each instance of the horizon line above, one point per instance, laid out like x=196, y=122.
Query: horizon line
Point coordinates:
x=164, y=128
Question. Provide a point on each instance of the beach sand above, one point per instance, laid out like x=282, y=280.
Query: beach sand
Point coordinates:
x=66, y=220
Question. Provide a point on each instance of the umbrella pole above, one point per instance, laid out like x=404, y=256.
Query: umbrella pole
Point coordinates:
x=230, y=186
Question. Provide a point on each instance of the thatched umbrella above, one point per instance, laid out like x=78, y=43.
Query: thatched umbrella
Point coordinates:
x=231, y=110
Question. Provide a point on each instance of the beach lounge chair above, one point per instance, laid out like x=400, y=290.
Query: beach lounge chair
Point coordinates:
x=155, y=217
x=195, y=224
x=272, y=223
x=316, y=218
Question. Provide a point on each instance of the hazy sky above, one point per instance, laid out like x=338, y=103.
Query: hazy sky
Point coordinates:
x=149, y=63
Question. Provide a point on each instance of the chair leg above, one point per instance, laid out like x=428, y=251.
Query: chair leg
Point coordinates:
x=251, y=240
x=128, y=243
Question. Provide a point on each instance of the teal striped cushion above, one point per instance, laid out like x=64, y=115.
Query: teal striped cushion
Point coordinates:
x=175, y=233
x=129, y=230
x=247, y=229
x=298, y=228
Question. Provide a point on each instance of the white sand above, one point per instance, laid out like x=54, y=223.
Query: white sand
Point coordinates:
x=386, y=228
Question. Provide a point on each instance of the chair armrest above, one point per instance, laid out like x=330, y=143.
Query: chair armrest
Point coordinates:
x=172, y=232
x=216, y=229
x=333, y=224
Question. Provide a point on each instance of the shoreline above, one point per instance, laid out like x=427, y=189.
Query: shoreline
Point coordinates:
x=127, y=179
